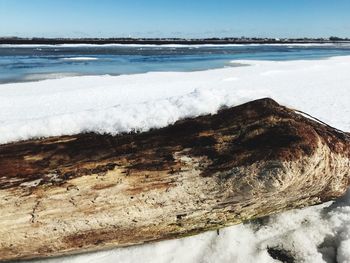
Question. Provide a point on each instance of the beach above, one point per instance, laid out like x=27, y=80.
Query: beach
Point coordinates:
x=116, y=104
x=139, y=102
x=174, y=131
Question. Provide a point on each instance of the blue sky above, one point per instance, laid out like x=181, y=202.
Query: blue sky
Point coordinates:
x=174, y=18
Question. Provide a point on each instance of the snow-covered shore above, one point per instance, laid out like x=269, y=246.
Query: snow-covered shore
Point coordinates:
x=346, y=43
x=123, y=103
x=114, y=104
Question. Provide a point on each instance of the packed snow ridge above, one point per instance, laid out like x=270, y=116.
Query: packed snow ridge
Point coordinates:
x=115, y=104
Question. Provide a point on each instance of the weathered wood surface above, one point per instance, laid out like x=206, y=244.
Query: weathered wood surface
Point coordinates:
x=86, y=192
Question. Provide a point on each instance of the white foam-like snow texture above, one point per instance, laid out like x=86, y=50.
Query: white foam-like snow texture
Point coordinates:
x=79, y=58
x=122, y=103
x=114, y=104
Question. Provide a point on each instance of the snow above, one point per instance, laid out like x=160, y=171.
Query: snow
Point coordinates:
x=122, y=103
x=80, y=58
x=114, y=104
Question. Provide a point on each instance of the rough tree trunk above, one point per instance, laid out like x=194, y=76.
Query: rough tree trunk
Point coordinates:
x=69, y=194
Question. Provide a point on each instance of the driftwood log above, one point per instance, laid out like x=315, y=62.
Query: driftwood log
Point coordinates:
x=70, y=194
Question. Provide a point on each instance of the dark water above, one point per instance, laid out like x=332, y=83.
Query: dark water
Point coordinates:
x=42, y=62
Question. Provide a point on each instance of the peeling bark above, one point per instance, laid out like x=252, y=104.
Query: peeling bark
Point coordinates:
x=70, y=194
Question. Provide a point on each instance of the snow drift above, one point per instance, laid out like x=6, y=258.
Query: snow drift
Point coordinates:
x=115, y=104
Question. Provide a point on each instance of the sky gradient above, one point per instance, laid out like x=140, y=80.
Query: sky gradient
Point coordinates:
x=175, y=18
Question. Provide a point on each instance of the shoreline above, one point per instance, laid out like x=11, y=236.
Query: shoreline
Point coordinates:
x=174, y=45
x=171, y=41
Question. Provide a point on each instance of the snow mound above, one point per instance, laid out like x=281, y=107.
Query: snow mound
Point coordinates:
x=115, y=104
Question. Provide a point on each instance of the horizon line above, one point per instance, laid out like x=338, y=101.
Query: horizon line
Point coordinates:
x=184, y=38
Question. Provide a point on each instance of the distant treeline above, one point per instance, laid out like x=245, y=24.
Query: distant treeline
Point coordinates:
x=160, y=41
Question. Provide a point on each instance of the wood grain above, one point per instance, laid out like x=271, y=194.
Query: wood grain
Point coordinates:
x=70, y=194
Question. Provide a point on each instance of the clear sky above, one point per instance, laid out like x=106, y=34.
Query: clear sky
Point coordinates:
x=175, y=18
